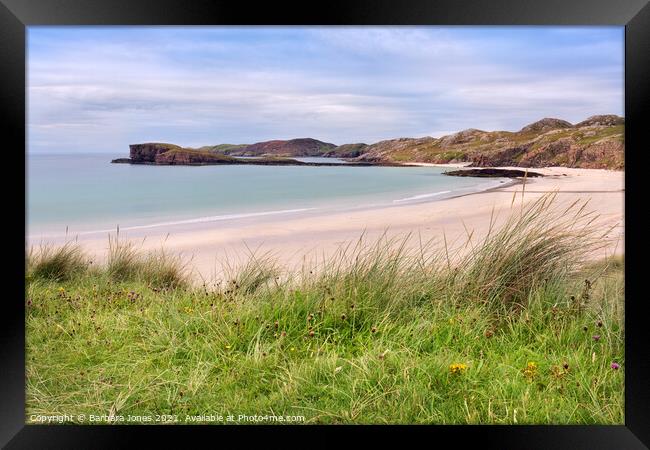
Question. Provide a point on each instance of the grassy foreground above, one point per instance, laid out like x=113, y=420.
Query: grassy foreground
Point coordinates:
x=518, y=329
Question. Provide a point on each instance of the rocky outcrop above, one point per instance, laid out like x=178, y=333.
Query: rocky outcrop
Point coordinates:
x=493, y=173
x=508, y=156
x=461, y=137
x=347, y=151
x=544, y=125
x=606, y=120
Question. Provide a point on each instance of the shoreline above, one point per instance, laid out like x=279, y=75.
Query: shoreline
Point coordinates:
x=281, y=213
x=301, y=240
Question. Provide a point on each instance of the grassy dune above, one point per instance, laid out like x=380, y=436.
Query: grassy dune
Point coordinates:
x=519, y=328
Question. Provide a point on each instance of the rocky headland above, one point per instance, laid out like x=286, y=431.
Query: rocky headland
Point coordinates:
x=595, y=143
x=162, y=154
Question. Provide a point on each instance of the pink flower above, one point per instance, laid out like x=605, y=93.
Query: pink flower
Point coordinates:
x=615, y=366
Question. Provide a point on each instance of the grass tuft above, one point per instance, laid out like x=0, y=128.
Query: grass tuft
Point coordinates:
x=540, y=244
x=159, y=269
x=57, y=264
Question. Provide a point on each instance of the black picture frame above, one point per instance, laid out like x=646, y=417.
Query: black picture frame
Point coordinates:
x=16, y=15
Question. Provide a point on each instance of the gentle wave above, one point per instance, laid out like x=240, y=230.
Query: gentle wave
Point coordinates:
x=196, y=220
x=421, y=196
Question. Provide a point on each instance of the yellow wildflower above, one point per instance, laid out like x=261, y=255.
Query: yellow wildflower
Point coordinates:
x=531, y=370
x=457, y=368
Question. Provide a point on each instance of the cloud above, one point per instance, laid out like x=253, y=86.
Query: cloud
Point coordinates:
x=101, y=89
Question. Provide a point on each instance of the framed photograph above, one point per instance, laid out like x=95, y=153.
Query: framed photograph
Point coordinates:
x=298, y=218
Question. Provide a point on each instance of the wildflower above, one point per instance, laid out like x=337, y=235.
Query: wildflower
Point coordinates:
x=566, y=366
x=489, y=333
x=311, y=333
x=228, y=347
x=615, y=366
x=373, y=330
x=596, y=337
x=283, y=334
x=531, y=370
x=457, y=368
x=343, y=316
x=599, y=324
x=584, y=328
x=293, y=349
x=276, y=324
x=557, y=372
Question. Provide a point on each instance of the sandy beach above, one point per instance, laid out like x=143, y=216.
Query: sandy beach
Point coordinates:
x=299, y=240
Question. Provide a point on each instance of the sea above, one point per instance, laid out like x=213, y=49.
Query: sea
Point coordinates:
x=85, y=194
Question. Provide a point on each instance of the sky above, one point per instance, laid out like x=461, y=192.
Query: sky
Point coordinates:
x=99, y=89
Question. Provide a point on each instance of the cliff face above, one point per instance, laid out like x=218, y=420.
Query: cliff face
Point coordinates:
x=188, y=157
x=596, y=143
x=148, y=152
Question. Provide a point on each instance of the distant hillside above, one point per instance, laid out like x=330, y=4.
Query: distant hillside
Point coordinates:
x=596, y=143
x=222, y=148
x=292, y=147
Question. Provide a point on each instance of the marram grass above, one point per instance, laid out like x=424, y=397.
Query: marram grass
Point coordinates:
x=519, y=330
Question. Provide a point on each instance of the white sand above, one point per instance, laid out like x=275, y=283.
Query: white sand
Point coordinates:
x=297, y=238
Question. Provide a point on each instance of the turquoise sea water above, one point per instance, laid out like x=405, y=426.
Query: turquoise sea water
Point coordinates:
x=86, y=193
